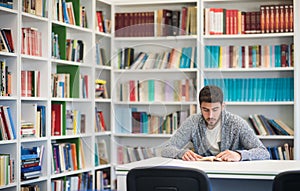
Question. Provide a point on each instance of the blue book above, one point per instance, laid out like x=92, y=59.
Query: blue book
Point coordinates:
x=65, y=12
x=207, y=57
x=42, y=110
x=31, y=169
x=188, y=54
x=182, y=58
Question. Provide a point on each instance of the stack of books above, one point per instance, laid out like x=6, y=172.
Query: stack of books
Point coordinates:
x=31, y=162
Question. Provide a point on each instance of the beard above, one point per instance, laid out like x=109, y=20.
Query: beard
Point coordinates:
x=212, y=122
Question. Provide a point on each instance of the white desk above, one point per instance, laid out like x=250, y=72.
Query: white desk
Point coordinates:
x=231, y=176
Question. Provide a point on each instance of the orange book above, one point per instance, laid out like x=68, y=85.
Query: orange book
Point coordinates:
x=276, y=27
x=286, y=18
x=291, y=17
x=267, y=19
x=74, y=156
x=281, y=18
x=272, y=18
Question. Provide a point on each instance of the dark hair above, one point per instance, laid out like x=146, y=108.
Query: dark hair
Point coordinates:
x=211, y=94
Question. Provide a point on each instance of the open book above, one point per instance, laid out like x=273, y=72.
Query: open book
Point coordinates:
x=210, y=158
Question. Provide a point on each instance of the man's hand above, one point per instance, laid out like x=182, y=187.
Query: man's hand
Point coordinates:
x=190, y=156
x=230, y=156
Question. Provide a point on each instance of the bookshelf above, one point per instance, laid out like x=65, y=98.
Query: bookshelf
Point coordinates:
x=132, y=105
x=52, y=96
x=215, y=67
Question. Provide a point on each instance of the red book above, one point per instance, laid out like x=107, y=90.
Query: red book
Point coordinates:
x=276, y=18
x=132, y=90
x=262, y=18
x=291, y=17
x=29, y=83
x=102, y=121
x=284, y=52
x=183, y=21
x=100, y=21
x=247, y=22
x=5, y=123
x=56, y=119
x=250, y=57
x=23, y=84
x=136, y=122
x=253, y=22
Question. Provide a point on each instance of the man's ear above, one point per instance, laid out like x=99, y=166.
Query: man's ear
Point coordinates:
x=223, y=105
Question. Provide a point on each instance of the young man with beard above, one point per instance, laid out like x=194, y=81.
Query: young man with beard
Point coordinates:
x=215, y=132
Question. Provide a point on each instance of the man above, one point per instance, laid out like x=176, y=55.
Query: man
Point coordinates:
x=215, y=132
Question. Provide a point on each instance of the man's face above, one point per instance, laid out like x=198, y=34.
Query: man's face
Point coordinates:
x=211, y=113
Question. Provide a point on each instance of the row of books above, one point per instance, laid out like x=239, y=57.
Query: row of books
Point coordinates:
x=157, y=90
x=31, y=162
x=134, y=24
x=65, y=120
x=101, y=154
x=31, y=42
x=7, y=169
x=74, y=50
x=33, y=120
x=75, y=122
x=6, y=40
x=36, y=7
x=67, y=156
x=185, y=57
x=269, y=19
x=5, y=79
x=255, y=56
x=143, y=122
x=266, y=126
x=30, y=86
x=70, y=12
x=61, y=85
x=285, y=152
x=102, y=23
x=176, y=22
x=100, y=125
x=255, y=89
x=6, y=3
x=130, y=120
x=7, y=125
x=127, y=154
x=101, y=55
x=166, y=22
x=83, y=181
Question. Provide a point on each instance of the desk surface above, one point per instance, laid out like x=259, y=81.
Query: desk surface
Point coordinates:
x=261, y=169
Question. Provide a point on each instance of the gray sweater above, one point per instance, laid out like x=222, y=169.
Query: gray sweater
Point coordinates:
x=236, y=136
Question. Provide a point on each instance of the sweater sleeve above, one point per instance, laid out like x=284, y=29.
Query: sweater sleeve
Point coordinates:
x=176, y=145
x=253, y=148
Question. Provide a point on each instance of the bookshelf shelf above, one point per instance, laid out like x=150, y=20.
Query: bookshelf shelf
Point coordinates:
x=156, y=103
x=144, y=135
x=249, y=36
x=153, y=39
x=30, y=17
x=276, y=137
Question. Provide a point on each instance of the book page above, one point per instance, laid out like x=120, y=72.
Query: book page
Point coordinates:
x=210, y=158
